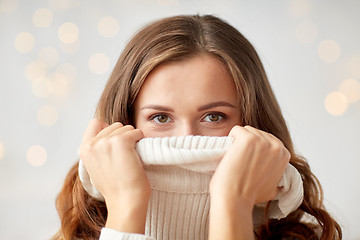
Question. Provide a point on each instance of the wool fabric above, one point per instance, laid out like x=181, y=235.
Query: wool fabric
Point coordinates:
x=179, y=170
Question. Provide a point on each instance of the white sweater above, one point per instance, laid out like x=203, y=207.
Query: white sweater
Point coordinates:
x=179, y=171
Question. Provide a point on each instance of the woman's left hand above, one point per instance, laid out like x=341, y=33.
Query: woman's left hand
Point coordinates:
x=248, y=174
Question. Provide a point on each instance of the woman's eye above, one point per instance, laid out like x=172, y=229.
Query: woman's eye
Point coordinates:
x=161, y=118
x=213, y=117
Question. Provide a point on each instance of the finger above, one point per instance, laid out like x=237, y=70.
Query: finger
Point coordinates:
x=264, y=134
x=270, y=138
x=121, y=130
x=254, y=131
x=94, y=127
x=273, y=139
x=108, y=130
x=236, y=131
x=134, y=135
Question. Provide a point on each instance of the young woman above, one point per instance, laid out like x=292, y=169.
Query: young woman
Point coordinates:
x=182, y=76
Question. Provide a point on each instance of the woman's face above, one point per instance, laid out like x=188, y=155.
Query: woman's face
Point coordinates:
x=196, y=96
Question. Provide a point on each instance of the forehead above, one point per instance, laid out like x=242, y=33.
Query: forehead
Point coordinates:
x=201, y=77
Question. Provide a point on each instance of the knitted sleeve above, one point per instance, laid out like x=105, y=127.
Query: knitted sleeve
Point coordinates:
x=110, y=234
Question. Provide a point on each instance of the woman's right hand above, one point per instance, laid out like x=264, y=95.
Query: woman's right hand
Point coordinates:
x=108, y=154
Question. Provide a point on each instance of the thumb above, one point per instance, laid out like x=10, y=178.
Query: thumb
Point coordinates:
x=94, y=127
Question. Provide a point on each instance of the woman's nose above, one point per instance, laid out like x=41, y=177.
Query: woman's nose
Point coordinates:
x=186, y=129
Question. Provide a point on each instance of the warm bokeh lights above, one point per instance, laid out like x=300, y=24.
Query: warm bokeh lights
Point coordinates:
x=68, y=32
x=2, y=150
x=108, y=27
x=336, y=103
x=351, y=89
x=47, y=115
x=36, y=155
x=329, y=51
x=68, y=70
x=8, y=6
x=63, y=4
x=70, y=48
x=299, y=8
x=35, y=71
x=49, y=56
x=60, y=84
x=99, y=63
x=42, y=88
x=24, y=42
x=57, y=56
x=42, y=18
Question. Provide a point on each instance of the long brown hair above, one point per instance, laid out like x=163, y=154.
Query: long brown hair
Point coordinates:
x=177, y=38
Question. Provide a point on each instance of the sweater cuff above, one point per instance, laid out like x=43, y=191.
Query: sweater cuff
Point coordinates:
x=111, y=234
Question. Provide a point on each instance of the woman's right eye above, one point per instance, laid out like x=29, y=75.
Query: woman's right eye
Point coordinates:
x=160, y=118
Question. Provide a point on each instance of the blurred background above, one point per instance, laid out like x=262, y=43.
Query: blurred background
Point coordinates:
x=56, y=56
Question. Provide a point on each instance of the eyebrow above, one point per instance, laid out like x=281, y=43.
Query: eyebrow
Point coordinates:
x=157, y=107
x=215, y=104
x=201, y=108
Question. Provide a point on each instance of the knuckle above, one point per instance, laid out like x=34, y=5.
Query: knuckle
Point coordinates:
x=116, y=139
x=235, y=130
x=248, y=127
x=129, y=127
x=88, y=146
x=104, y=144
x=117, y=124
x=277, y=148
x=252, y=138
x=119, y=140
x=85, y=149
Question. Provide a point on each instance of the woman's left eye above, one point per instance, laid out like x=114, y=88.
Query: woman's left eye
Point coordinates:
x=160, y=118
x=214, y=117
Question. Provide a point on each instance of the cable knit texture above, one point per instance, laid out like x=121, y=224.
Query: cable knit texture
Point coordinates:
x=179, y=171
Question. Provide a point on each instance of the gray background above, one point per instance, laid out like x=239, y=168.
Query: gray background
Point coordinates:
x=300, y=78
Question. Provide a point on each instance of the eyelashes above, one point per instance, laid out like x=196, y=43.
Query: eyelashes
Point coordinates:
x=160, y=118
x=212, y=117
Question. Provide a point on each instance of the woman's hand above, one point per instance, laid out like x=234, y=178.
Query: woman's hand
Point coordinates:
x=248, y=174
x=115, y=168
x=253, y=166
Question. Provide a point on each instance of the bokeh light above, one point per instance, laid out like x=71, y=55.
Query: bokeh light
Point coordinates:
x=307, y=32
x=99, y=63
x=299, y=8
x=47, y=115
x=49, y=56
x=336, y=103
x=329, y=51
x=8, y=6
x=36, y=155
x=354, y=66
x=63, y=4
x=42, y=88
x=2, y=150
x=68, y=70
x=62, y=79
x=351, y=89
x=42, y=18
x=24, y=42
x=70, y=48
x=35, y=71
x=68, y=32
x=108, y=27
x=60, y=84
